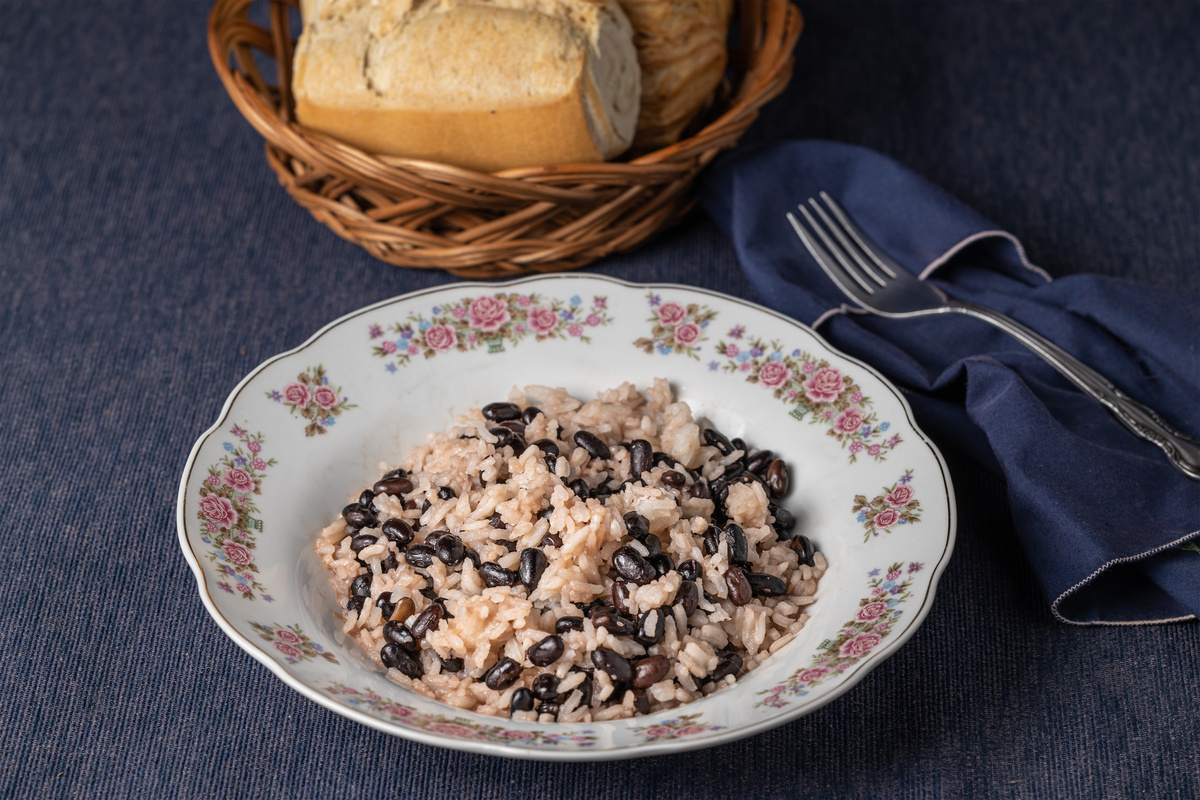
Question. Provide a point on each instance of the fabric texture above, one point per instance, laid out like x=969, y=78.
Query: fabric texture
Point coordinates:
x=149, y=260
x=1057, y=449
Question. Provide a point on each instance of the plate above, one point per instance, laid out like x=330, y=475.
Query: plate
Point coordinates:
x=303, y=430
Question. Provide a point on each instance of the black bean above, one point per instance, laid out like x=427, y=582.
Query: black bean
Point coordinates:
x=398, y=531
x=361, y=586
x=425, y=505
x=530, y=414
x=393, y=486
x=688, y=596
x=496, y=522
x=385, y=605
x=358, y=516
x=355, y=603
x=533, y=564
x=637, y=525
x=739, y=586
x=621, y=596
x=649, y=671
x=429, y=592
x=395, y=657
x=591, y=442
x=545, y=687
x=474, y=558
x=503, y=674
x=390, y=563
x=399, y=472
x=495, y=575
x=712, y=540
x=580, y=488
x=452, y=664
x=428, y=620
x=545, y=512
x=735, y=541
x=611, y=621
x=777, y=478
x=759, y=462
x=551, y=540
x=363, y=540
x=740, y=444
x=397, y=633
x=728, y=663
x=641, y=701
x=419, y=555
x=632, y=566
x=450, y=550
x=664, y=458
x=565, y=624
x=650, y=627
x=585, y=688
x=499, y=412
x=785, y=521
x=548, y=708
x=700, y=490
x=366, y=498
x=433, y=537
x=662, y=564
x=602, y=491
x=714, y=438
x=545, y=652
x=674, y=479
x=766, y=585
x=804, y=549
x=652, y=544
x=507, y=544
x=690, y=570
x=615, y=665
x=446, y=493
x=522, y=700
x=503, y=436
x=410, y=504
x=640, y=455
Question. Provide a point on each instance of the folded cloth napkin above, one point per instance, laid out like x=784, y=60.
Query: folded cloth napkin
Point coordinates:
x=1110, y=527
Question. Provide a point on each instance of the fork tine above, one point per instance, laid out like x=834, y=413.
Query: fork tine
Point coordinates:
x=869, y=247
x=838, y=253
x=853, y=250
x=852, y=285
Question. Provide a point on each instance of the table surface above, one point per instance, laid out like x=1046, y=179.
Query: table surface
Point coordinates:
x=149, y=261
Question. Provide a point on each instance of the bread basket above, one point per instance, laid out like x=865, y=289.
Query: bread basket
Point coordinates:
x=535, y=219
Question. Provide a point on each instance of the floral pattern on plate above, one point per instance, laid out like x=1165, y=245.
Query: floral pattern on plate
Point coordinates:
x=679, y=728
x=675, y=327
x=224, y=510
x=292, y=643
x=813, y=387
x=490, y=321
x=895, y=505
x=457, y=727
x=877, y=614
x=311, y=397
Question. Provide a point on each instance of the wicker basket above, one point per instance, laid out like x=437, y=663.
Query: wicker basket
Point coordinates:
x=537, y=219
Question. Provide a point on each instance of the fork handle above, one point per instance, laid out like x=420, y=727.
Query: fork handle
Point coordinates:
x=1182, y=450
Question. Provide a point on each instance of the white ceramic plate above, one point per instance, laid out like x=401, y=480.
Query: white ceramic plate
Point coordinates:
x=305, y=430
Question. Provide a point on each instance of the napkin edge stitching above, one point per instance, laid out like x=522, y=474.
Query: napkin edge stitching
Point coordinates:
x=975, y=237
x=1114, y=562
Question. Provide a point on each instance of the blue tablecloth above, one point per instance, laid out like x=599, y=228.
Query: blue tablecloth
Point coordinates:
x=149, y=260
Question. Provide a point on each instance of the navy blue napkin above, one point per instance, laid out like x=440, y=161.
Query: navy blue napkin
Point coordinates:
x=1109, y=526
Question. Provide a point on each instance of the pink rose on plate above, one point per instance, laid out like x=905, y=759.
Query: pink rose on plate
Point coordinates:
x=237, y=553
x=214, y=480
x=516, y=734
x=396, y=710
x=874, y=450
x=886, y=519
x=687, y=334
x=253, y=446
x=296, y=394
x=661, y=730
x=731, y=351
x=258, y=463
x=288, y=650
x=489, y=313
x=441, y=337
x=219, y=510
x=692, y=730
x=542, y=319
x=856, y=446
x=812, y=674
x=849, y=421
x=388, y=347
x=774, y=374
x=900, y=496
x=825, y=385
x=451, y=729
x=809, y=367
x=284, y=635
x=671, y=314
x=523, y=301
x=891, y=576
x=413, y=349
x=238, y=479
x=870, y=611
x=575, y=330
x=326, y=398
x=593, y=320
x=860, y=645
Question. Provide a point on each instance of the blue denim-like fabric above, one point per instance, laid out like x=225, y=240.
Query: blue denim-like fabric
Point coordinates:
x=149, y=260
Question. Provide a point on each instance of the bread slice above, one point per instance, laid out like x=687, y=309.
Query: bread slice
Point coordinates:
x=482, y=85
x=682, y=53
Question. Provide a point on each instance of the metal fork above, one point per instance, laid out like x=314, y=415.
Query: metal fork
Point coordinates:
x=877, y=283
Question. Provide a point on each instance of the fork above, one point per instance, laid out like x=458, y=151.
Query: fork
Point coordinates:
x=874, y=281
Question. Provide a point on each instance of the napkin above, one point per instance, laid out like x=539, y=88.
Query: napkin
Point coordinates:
x=1109, y=526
